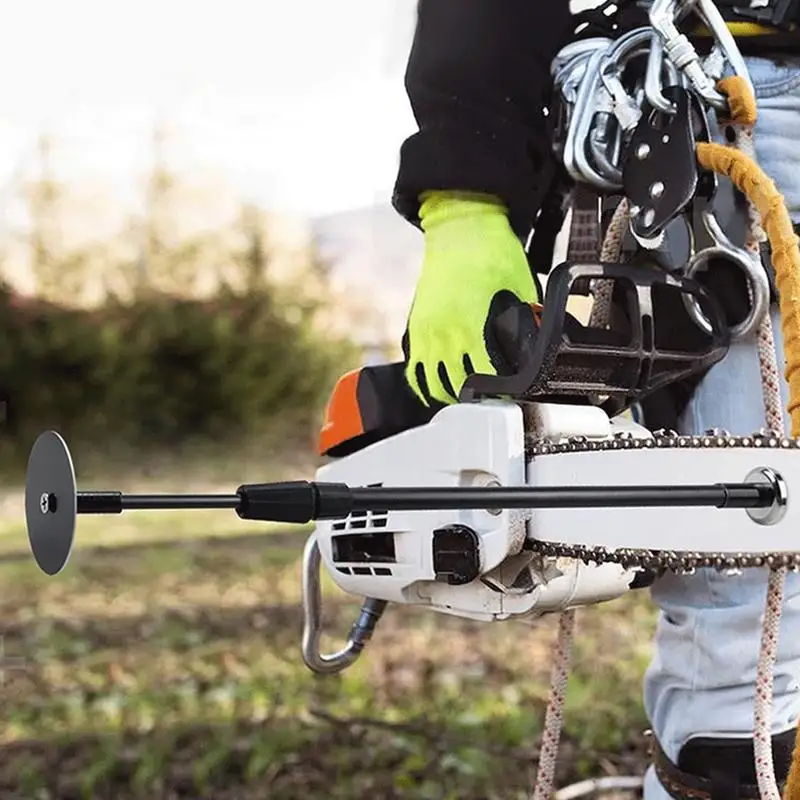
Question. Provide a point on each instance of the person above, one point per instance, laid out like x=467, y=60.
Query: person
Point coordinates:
x=473, y=178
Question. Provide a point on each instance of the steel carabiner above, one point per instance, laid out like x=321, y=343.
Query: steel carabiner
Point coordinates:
x=613, y=64
x=617, y=112
x=663, y=15
x=617, y=116
x=575, y=161
x=360, y=633
x=574, y=52
x=679, y=50
x=724, y=39
x=605, y=143
x=593, y=99
x=568, y=69
x=657, y=64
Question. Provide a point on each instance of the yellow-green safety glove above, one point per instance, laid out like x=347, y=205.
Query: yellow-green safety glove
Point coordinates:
x=473, y=264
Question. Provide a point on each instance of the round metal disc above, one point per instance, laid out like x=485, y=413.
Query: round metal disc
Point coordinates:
x=50, y=502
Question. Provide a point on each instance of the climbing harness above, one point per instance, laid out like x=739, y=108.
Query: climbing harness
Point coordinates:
x=485, y=509
x=741, y=116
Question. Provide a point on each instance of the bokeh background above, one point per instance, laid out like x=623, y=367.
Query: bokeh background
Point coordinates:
x=196, y=239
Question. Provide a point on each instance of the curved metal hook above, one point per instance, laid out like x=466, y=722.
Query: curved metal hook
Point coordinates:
x=609, y=128
x=602, y=127
x=583, y=109
x=628, y=46
x=574, y=53
x=605, y=143
x=360, y=633
x=678, y=48
x=716, y=23
x=657, y=63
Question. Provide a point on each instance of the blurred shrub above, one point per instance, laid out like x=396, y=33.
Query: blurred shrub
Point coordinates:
x=163, y=370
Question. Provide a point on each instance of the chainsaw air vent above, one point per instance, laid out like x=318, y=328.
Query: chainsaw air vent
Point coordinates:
x=365, y=570
x=364, y=520
x=363, y=541
x=364, y=548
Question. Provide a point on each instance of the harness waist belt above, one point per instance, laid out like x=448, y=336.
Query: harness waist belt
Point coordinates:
x=720, y=769
x=744, y=20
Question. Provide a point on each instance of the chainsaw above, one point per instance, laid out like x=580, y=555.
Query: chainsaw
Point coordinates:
x=517, y=500
x=514, y=502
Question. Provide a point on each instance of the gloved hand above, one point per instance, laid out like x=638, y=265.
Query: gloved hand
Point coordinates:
x=473, y=263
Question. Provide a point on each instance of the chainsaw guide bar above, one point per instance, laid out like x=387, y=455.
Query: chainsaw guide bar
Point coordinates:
x=683, y=562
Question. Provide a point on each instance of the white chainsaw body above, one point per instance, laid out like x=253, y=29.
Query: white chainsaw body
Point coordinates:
x=479, y=444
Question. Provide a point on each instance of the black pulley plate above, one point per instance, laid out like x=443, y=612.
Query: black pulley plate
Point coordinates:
x=50, y=502
x=660, y=169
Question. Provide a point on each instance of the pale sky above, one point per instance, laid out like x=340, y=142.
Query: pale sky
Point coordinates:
x=299, y=103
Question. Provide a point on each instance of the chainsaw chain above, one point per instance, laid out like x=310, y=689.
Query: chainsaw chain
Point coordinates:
x=659, y=561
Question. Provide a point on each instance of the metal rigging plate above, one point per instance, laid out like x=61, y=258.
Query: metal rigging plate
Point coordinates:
x=50, y=502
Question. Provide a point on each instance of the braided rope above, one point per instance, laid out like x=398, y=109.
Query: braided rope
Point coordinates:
x=554, y=716
x=773, y=412
x=610, y=251
x=770, y=381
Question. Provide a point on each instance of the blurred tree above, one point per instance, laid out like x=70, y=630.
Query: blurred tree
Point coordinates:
x=61, y=272
x=43, y=196
x=159, y=185
x=253, y=257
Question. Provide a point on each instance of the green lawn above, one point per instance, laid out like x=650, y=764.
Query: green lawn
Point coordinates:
x=164, y=662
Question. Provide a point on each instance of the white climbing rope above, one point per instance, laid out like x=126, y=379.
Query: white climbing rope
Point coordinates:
x=773, y=412
x=554, y=716
x=611, y=252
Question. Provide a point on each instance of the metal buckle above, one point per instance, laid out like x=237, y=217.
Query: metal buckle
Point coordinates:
x=781, y=14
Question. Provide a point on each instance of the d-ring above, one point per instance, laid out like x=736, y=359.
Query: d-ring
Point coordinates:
x=757, y=282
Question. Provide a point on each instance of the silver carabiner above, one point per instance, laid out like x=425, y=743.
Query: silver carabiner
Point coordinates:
x=607, y=136
x=575, y=161
x=753, y=270
x=311, y=592
x=568, y=69
x=723, y=37
x=593, y=99
x=626, y=48
x=602, y=127
x=605, y=143
x=573, y=52
x=678, y=48
x=657, y=63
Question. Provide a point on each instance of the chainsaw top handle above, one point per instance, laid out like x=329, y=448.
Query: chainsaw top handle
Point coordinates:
x=649, y=344
x=553, y=358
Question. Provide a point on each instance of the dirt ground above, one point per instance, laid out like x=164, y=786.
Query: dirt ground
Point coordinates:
x=164, y=662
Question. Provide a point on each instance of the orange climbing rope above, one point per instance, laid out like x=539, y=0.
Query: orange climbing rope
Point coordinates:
x=760, y=189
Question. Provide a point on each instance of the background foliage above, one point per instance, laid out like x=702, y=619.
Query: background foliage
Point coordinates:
x=155, y=363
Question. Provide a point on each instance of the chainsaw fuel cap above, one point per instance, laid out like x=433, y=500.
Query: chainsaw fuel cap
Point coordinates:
x=50, y=502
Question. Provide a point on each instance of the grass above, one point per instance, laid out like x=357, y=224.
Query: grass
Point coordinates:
x=166, y=665
x=141, y=529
